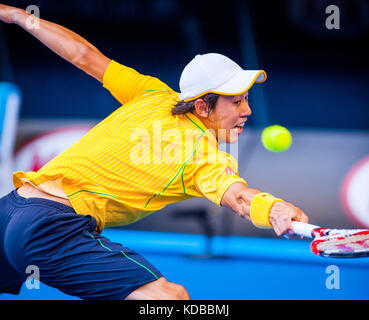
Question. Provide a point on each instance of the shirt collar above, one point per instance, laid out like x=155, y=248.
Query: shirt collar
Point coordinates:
x=200, y=125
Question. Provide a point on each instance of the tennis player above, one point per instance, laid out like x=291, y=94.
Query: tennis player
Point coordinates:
x=158, y=148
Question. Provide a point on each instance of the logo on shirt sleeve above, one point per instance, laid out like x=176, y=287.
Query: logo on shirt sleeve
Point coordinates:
x=230, y=172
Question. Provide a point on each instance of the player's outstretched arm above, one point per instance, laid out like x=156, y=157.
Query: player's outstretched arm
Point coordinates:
x=62, y=41
x=239, y=197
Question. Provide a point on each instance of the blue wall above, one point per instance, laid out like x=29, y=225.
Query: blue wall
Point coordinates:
x=317, y=78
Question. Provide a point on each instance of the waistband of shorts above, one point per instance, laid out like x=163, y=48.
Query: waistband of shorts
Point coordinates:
x=16, y=198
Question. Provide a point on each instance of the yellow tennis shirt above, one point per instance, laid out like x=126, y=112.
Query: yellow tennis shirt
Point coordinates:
x=139, y=159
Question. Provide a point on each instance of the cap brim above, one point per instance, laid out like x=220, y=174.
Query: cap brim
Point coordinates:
x=241, y=82
x=238, y=84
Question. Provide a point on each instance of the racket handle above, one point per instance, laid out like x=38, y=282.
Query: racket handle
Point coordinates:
x=303, y=229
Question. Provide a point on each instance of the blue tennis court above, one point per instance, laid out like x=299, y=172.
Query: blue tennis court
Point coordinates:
x=239, y=268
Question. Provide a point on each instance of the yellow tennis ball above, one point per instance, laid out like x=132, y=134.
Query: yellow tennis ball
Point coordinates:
x=276, y=138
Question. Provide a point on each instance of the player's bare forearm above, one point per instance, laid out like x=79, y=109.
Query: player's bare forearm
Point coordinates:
x=239, y=197
x=62, y=41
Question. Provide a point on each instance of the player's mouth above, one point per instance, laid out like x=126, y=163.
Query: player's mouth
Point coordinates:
x=239, y=127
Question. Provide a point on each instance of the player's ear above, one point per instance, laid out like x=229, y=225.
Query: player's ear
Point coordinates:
x=201, y=108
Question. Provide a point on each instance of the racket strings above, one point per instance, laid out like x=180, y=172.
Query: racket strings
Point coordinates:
x=344, y=243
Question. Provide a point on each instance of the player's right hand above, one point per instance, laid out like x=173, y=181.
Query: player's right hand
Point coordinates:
x=281, y=216
x=7, y=13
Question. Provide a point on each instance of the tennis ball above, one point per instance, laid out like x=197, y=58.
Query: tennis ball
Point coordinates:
x=276, y=138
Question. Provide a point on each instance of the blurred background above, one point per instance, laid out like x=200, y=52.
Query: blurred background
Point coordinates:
x=317, y=87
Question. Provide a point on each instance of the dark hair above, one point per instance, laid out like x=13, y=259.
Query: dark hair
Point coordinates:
x=183, y=107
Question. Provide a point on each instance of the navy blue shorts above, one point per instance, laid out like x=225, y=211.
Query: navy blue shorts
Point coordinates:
x=70, y=254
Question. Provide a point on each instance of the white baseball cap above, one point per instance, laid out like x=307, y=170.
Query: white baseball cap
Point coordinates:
x=215, y=73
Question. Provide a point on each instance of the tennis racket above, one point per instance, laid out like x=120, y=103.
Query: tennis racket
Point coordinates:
x=335, y=243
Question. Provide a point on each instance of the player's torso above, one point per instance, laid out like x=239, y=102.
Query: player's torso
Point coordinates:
x=134, y=162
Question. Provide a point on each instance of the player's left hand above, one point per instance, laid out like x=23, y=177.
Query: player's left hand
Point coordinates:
x=7, y=13
x=281, y=216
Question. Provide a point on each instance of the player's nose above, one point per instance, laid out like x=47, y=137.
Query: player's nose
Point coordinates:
x=245, y=109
